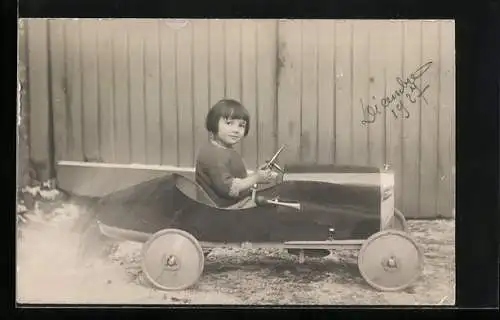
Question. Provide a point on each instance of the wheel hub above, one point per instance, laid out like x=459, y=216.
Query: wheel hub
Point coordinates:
x=170, y=262
x=172, y=259
x=390, y=264
x=390, y=260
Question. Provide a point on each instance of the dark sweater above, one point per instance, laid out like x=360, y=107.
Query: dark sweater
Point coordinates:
x=216, y=167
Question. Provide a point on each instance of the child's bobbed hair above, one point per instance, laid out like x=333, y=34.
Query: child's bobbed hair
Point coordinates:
x=228, y=109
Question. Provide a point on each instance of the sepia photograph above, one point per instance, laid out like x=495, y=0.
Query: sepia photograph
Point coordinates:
x=236, y=162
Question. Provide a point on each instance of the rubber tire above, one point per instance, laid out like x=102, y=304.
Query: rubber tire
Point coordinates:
x=145, y=251
x=402, y=287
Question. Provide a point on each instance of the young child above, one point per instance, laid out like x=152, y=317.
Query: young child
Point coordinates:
x=220, y=170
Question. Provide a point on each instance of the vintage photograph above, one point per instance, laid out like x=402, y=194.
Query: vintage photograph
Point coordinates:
x=236, y=162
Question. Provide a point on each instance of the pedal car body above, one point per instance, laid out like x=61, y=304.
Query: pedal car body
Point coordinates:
x=311, y=209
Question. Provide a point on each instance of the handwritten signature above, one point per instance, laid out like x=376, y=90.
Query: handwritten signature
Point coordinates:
x=407, y=89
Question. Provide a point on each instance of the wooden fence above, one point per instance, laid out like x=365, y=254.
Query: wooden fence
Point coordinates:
x=137, y=91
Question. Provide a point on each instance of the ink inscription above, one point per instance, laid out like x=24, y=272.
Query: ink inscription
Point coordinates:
x=399, y=101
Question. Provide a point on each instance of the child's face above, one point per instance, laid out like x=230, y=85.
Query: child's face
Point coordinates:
x=231, y=131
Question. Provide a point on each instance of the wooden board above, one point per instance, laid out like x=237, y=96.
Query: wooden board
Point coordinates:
x=58, y=87
x=289, y=88
x=343, y=92
x=249, y=80
x=376, y=90
x=201, y=80
x=122, y=83
x=326, y=92
x=411, y=126
x=74, y=95
x=232, y=58
x=429, y=120
x=101, y=181
x=136, y=54
x=309, y=96
x=217, y=64
x=267, y=110
x=38, y=91
x=168, y=87
x=184, y=76
x=360, y=91
x=394, y=125
x=90, y=90
x=23, y=177
x=106, y=65
x=152, y=98
x=446, y=126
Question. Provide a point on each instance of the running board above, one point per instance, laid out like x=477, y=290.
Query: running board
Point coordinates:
x=137, y=236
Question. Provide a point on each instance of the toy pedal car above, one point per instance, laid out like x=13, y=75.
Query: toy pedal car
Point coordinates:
x=310, y=210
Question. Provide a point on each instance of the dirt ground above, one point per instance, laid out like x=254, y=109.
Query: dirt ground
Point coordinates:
x=48, y=272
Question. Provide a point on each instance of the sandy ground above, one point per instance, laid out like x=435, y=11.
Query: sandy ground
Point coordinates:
x=48, y=272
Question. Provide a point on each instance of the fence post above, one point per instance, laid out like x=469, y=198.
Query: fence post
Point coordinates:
x=23, y=172
x=38, y=79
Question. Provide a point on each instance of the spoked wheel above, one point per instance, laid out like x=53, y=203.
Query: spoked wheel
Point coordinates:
x=390, y=260
x=172, y=259
x=398, y=221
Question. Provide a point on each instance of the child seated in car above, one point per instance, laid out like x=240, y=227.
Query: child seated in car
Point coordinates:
x=220, y=170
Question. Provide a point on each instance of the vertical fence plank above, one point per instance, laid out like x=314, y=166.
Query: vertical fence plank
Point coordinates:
x=136, y=53
x=217, y=49
x=152, y=93
x=74, y=96
x=326, y=92
x=200, y=81
x=185, y=94
x=343, y=94
x=39, y=97
x=309, y=101
x=411, y=134
x=249, y=88
x=267, y=51
x=429, y=120
x=376, y=82
x=394, y=51
x=58, y=87
x=446, y=132
x=106, y=96
x=290, y=88
x=232, y=44
x=121, y=84
x=169, y=124
x=360, y=60
x=23, y=149
x=89, y=30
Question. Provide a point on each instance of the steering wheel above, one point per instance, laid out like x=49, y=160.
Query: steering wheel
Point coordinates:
x=271, y=164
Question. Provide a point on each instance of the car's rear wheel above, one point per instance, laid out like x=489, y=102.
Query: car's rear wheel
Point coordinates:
x=390, y=260
x=172, y=259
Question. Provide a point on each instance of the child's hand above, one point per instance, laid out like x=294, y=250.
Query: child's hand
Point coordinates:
x=265, y=176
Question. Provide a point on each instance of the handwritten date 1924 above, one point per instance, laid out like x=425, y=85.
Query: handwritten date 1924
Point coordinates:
x=408, y=89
